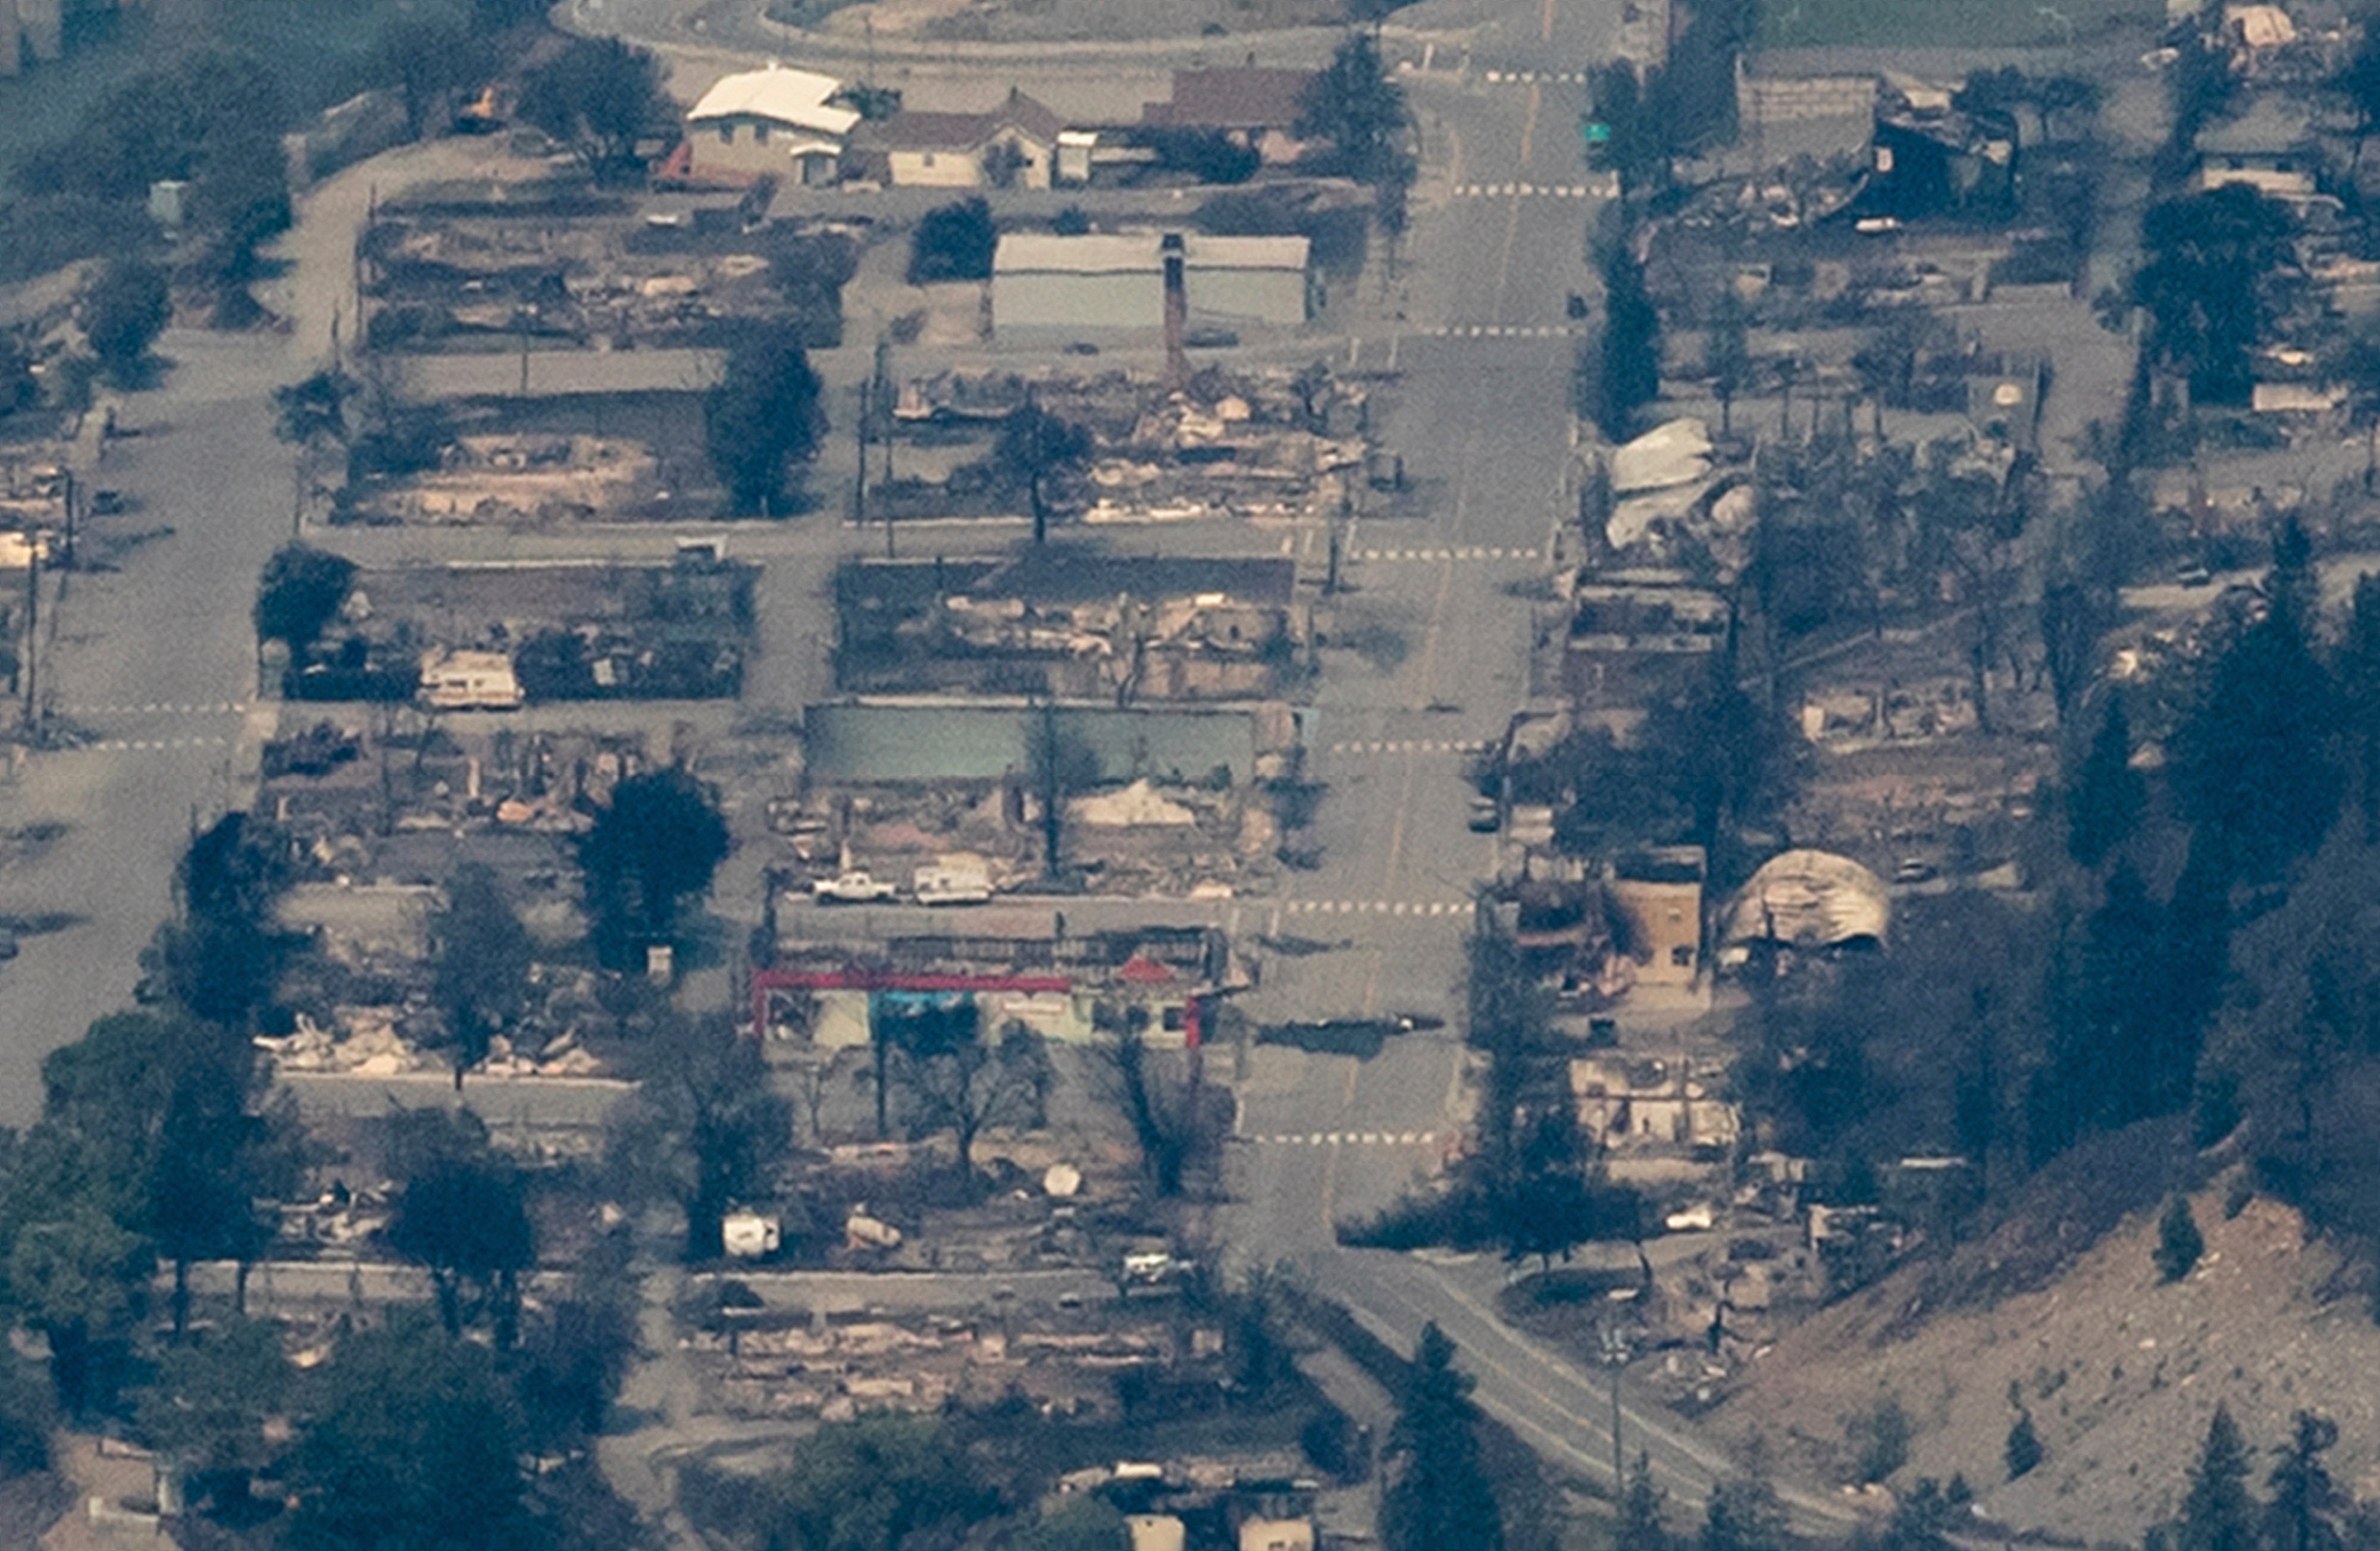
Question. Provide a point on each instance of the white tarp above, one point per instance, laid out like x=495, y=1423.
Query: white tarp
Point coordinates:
x=1809, y=900
x=1678, y=453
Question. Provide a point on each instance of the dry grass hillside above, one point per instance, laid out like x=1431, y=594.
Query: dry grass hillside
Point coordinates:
x=2118, y=1370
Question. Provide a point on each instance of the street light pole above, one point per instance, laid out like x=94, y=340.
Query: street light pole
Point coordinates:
x=1615, y=1357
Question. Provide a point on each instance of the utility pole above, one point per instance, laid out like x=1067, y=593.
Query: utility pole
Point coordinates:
x=33, y=634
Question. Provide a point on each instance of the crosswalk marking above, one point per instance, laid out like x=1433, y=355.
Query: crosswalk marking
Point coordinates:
x=1498, y=552
x=1503, y=331
x=1348, y=1138
x=1412, y=745
x=1377, y=907
x=205, y=708
x=1536, y=77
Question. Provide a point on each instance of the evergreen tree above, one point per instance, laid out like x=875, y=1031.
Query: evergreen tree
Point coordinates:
x=2179, y=1242
x=1631, y=376
x=1641, y=1528
x=1743, y=1515
x=2306, y=1506
x=762, y=419
x=1437, y=1497
x=2109, y=794
x=2218, y=1514
x=2023, y=1451
x=2252, y=763
x=2357, y=670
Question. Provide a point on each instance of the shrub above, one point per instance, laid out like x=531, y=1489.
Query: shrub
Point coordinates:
x=954, y=242
x=1880, y=1437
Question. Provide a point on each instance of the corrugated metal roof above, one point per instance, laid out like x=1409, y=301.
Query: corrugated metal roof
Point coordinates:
x=781, y=96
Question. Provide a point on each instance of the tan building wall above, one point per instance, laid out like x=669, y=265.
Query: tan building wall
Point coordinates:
x=1665, y=925
x=741, y=149
x=965, y=169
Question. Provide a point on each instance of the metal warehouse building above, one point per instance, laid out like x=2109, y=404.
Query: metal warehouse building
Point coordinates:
x=1045, y=286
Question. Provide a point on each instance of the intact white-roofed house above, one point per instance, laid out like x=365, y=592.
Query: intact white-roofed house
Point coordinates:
x=774, y=120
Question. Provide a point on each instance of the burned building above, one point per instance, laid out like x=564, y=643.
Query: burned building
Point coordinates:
x=1069, y=623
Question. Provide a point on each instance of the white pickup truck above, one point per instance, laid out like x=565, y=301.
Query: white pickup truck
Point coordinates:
x=854, y=887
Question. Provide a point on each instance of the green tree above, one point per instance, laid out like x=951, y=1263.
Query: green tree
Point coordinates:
x=301, y=590
x=1035, y=447
x=1643, y=1526
x=654, y=847
x=1631, y=373
x=1352, y=103
x=1633, y=145
x=222, y=959
x=2179, y=1242
x=881, y=1483
x=2213, y=279
x=479, y=964
x=704, y=1129
x=2252, y=763
x=1743, y=1515
x=954, y=242
x=20, y=389
x=762, y=420
x=78, y=1278
x=1436, y=1494
x=2307, y=1507
x=206, y=1408
x=1724, y=759
x=124, y=309
x=432, y=54
x=2022, y=1450
x=408, y=1441
x=1879, y=1439
x=2356, y=669
x=598, y=96
x=2218, y=1514
x=2109, y=794
x=462, y=1210
x=222, y=1147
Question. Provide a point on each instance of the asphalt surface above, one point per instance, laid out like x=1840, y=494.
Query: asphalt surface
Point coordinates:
x=153, y=665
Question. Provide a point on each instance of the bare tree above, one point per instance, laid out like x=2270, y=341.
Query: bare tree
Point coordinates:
x=1167, y=1112
x=967, y=1087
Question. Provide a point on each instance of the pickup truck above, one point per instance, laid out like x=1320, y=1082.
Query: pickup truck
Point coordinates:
x=850, y=888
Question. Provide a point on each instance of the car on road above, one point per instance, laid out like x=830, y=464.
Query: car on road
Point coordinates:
x=107, y=504
x=1914, y=869
x=854, y=887
x=2194, y=576
x=1210, y=339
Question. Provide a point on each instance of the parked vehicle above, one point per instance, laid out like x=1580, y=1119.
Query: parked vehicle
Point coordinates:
x=944, y=885
x=854, y=887
x=1484, y=817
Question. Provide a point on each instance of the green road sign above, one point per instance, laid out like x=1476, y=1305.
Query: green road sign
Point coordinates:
x=1595, y=133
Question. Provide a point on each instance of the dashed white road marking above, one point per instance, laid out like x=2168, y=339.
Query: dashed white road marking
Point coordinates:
x=1347, y=1138
x=1535, y=78
x=1503, y=331
x=203, y=707
x=1378, y=907
x=1412, y=745
x=1467, y=552
x=1525, y=190
x=147, y=746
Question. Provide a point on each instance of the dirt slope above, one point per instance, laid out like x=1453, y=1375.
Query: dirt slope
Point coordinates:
x=2118, y=1371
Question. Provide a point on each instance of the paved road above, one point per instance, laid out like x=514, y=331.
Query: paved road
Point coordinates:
x=153, y=661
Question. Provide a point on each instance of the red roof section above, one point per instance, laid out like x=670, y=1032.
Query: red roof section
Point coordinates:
x=1142, y=969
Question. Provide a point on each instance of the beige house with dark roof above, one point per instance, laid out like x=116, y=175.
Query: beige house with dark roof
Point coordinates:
x=1014, y=146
